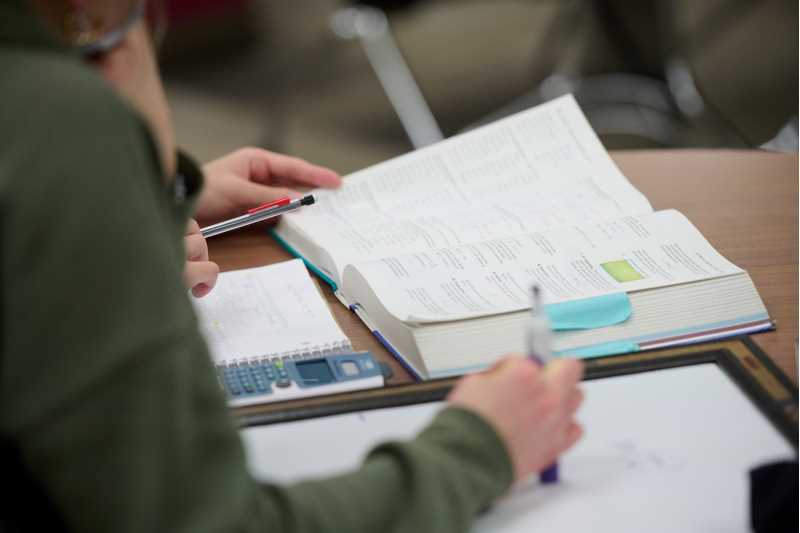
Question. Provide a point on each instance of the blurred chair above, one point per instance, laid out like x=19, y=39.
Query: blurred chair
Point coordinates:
x=368, y=24
x=652, y=95
x=656, y=98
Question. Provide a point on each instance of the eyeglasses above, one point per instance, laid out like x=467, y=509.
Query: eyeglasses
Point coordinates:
x=95, y=27
x=89, y=35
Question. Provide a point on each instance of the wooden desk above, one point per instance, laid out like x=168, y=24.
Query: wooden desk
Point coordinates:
x=744, y=202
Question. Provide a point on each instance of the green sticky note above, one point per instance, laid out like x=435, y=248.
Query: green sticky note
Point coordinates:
x=621, y=271
x=589, y=313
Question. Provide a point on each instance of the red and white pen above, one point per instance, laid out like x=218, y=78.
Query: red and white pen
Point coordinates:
x=257, y=214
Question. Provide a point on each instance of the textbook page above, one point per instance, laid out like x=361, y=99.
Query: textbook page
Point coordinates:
x=542, y=168
x=268, y=312
x=627, y=254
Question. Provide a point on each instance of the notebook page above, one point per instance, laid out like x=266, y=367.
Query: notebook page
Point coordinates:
x=541, y=168
x=270, y=311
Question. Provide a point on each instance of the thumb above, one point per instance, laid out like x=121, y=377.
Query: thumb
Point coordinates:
x=200, y=276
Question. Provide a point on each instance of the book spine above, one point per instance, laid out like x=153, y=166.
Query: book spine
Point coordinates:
x=309, y=265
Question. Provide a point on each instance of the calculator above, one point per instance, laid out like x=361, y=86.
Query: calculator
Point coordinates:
x=266, y=381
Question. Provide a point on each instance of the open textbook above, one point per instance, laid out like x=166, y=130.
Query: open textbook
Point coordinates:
x=436, y=250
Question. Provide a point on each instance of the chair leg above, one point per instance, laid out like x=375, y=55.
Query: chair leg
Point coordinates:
x=370, y=27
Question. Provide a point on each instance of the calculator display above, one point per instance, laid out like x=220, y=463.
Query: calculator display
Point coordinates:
x=314, y=372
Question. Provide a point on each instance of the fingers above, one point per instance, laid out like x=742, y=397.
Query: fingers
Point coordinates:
x=192, y=227
x=250, y=177
x=574, y=401
x=531, y=408
x=568, y=437
x=254, y=194
x=248, y=193
x=279, y=169
x=196, y=248
x=200, y=276
x=573, y=435
x=568, y=430
x=564, y=373
x=561, y=378
x=505, y=363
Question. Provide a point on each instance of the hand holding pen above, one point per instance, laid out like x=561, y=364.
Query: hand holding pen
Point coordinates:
x=257, y=214
x=540, y=339
x=200, y=274
x=252, y=176
x=236, y=182
x=531, y=408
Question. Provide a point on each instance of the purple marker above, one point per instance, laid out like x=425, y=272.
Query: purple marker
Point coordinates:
x=539, y=349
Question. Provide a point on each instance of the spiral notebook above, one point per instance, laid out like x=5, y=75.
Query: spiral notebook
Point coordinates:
x=274, y=312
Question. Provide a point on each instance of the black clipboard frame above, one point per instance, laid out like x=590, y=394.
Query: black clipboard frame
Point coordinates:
x=770, y=390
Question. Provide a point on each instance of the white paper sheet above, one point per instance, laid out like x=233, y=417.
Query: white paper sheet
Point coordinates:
x=267, y=312
x=663, y=451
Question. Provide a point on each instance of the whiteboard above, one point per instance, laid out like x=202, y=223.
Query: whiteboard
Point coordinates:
x=667, y=451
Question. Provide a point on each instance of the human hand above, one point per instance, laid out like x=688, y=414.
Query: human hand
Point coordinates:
x=199, y=274
x=250, y=177
x=531, y=408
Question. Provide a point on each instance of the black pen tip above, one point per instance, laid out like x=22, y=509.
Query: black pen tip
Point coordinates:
x=307, y=200
x=536, y=299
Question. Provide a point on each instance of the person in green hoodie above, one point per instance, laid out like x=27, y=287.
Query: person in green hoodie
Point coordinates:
x=111, y=418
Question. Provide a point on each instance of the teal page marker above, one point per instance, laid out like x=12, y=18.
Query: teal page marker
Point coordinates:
x=589, y=313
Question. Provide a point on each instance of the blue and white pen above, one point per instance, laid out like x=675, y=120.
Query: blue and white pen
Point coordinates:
x=540, y=350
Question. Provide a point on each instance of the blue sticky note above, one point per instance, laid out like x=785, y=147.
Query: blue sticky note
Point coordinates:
x=599, y=350
x=589, y=313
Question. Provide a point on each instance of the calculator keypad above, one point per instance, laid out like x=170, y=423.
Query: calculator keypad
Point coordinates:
x=253, y=378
